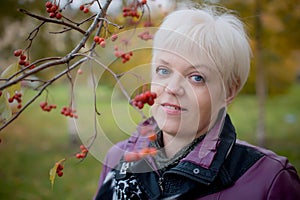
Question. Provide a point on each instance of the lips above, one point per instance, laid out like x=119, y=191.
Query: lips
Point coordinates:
x=172, y=108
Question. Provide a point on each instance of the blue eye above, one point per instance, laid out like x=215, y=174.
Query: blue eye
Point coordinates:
x=197, y=78
x=162, y=71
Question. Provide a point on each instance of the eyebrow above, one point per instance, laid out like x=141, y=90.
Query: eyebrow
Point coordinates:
x=189, y=67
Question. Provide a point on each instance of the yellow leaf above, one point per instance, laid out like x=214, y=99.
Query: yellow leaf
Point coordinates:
x=52, y=173
x=5, y=110
x=8, y=72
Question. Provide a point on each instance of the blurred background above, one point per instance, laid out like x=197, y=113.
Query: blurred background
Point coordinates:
x=266, y=113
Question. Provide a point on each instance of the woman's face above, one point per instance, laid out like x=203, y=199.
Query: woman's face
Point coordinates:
x=188, y=97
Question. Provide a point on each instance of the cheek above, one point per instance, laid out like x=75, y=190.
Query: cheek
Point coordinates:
x=156, y=88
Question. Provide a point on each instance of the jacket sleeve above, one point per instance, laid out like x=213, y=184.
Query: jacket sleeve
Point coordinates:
x=285, y=185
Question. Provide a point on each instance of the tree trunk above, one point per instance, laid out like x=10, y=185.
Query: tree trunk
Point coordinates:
x=260, y=77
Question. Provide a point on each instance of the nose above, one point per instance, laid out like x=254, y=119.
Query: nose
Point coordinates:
x=174, y=86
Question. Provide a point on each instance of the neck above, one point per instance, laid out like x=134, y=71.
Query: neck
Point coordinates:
x=173, y=144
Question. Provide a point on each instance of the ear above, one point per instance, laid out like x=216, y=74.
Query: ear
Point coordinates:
x=232, y=92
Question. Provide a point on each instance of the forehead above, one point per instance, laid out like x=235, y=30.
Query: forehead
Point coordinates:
x=174, y=60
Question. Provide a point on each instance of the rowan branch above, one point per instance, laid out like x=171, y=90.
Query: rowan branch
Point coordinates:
x=55, y=21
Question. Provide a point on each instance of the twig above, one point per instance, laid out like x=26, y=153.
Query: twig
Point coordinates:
x=45, y=19
x=41, y=91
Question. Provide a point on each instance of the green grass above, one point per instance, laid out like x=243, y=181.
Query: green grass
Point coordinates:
x=282, y=122
x=36, y=140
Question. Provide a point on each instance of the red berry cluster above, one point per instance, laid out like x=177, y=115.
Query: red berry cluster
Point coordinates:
x=132, y=9
x=83, y=153
x=135, y=156
x=146, y=97
x=84, y=8
x=46, y=107
x=69, y=112
x=120, y=54
x=18, y=97
x=100, y=41
x=53, y=11
x=23, y=57
x=59, y=169
x=145, y=35
x=146, y=131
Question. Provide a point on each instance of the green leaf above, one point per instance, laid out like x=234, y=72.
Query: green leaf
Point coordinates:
x=52, y=173
x=5, y=110
x=8, y=72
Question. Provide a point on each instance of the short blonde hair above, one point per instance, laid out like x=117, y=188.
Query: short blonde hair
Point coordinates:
x=221, y=37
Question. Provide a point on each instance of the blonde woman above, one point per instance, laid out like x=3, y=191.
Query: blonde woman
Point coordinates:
x=201, y=61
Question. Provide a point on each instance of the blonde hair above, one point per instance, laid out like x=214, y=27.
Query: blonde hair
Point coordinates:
x=221, y=37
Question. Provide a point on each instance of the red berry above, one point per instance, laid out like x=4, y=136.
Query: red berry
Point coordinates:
x=82, y=147
x=48, y=4
x=96, y=39
x=52, y=14
x=54, y=8
x=32, y=67
x=103, y=44
x=147, y=94
x=58, y=15
x=23, y=57
x=18, y=52
x=131, y=156
x=26, y=63
x=47, y=108
x=154, y=95
x=60, y=173
x=79, y=71
x=84, y=151
x=86, y=10
x=81, y=7
x=143, y=98
x=138, y=97
x=19, y=106
x=11, y=99
x=117, y=54
x=59, y=167
x=43, y=104
x=152, y=137
x=140, y=105
x=150, y=101
x=114, y=37
x=78, y=155
x=22, y=62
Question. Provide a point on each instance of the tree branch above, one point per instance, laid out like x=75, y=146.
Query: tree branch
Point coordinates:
x=45, y=19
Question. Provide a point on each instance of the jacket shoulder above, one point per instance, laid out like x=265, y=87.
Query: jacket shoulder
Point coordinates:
x=269, y=175
x=270, y=157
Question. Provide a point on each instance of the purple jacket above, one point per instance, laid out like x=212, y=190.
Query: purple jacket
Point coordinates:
x=227, y=170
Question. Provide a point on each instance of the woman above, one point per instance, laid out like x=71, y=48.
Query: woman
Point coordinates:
x=201, y=60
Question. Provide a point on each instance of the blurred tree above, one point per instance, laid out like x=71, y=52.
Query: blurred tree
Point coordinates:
x=275, y=35
x=15, y=25
x=280, y=39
